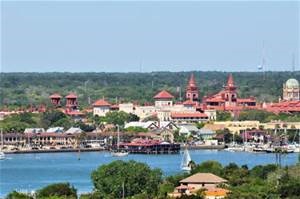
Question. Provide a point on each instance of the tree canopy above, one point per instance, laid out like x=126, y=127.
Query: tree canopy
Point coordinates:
x=128, y=178
x=34, y=88
x=63, y=190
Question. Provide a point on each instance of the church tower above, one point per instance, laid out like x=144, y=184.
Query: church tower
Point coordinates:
x=192, y=92
x=230, y=91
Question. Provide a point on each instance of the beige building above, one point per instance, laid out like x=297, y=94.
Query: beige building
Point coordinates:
x=238, y=126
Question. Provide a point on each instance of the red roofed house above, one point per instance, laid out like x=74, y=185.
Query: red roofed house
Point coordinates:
x=163, y=98
x=101, y=107
x=207, y=181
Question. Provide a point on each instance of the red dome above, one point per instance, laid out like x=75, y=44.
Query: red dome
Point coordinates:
x=163, y=95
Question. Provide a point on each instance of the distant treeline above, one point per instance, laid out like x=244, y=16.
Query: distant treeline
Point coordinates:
x=34, y=88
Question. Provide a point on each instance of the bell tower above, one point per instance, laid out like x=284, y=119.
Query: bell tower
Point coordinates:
x=192, y=92
x=230, y=91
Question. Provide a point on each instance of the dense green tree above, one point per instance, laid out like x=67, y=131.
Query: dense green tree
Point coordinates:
x=22, y=89
x=93, y=195
x=260, y=115
x=52, y=118
x=57, y=190
x=132, y=117
x=84, y=127
x=18, y=195
x=262, y=171
x=234, y=174
x=128, y=178
x=223, y=116
x=165, y=188
x=118, y=117
x=18, y=122
x=209, y=167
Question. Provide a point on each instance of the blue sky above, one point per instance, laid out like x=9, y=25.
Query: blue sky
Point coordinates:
x=98, y=36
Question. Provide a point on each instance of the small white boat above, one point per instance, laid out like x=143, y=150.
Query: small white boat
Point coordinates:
x=2, y=155
x=186, y=159
x=119, y=154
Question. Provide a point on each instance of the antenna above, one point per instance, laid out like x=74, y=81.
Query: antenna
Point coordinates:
x=263, y=60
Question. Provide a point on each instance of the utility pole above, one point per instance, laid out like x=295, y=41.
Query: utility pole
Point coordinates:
x=123, y=190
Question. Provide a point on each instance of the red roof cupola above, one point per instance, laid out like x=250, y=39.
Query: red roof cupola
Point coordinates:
x=71, y=95
x=71, y=103
x=55, y=95
x=55, y=99
x=101, y=102
x=163, y=95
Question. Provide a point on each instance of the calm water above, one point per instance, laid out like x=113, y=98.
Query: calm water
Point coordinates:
x=28, y=172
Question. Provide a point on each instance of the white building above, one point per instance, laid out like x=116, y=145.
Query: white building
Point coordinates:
x=164, y=109
x=101, y=107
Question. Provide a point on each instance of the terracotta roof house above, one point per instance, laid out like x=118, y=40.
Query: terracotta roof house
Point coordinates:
x=207, y=181
x=203, y=179
x=101, y=107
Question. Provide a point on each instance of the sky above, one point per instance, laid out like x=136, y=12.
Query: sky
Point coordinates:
x=111, y=36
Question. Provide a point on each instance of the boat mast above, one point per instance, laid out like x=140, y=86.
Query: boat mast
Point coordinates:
x=2, y=141
x=118, y=140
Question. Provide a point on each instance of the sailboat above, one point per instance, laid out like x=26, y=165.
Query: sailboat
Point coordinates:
x=186, y=159
x=118, y=152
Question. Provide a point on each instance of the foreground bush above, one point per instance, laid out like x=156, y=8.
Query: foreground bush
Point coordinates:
x=57, y=190
x=17, y=195
x=128, y=178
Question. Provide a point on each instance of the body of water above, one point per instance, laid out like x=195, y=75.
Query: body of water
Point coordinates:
x=27, y=172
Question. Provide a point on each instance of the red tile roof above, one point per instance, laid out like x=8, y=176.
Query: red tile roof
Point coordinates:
x=246, y=100
x=189, y=102
x=141, y=142
x=217, y=192
x=187, y=114
x=55, y=95
x=203, y=178
x=101, y=102
x=215, y=99
x=163, y=95
x=284, y=106
x=71, y=95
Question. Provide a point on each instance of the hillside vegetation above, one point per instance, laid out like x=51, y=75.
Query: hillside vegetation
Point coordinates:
x=34, y=88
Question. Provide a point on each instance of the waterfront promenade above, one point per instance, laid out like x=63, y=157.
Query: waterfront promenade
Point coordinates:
x=32, y=171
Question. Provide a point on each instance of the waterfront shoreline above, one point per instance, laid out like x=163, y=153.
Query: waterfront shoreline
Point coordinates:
x=54, y=151
x=204, y=147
